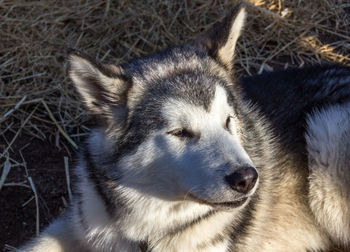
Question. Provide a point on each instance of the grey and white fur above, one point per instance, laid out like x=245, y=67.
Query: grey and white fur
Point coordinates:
x=186, y=158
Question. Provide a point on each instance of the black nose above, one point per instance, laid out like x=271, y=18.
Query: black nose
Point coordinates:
x=242, y=180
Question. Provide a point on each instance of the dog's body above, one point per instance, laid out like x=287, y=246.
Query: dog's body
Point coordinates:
x=171, y=167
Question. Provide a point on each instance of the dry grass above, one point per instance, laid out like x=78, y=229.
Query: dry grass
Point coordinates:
x=37, y=99
x=34, y=36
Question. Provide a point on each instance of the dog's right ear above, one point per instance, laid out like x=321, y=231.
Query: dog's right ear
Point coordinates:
x=102, y=87
x=220, y=41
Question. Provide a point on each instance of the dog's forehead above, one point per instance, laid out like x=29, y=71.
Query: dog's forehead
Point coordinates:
x=193, y=88
x=176, y=111
x=182, y=75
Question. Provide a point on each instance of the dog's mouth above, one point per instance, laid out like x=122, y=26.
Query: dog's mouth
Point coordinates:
x=230, y=204
x=220, y=205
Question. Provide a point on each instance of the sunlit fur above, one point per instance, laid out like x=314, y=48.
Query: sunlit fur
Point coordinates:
x=328, y=142
x=140, y=185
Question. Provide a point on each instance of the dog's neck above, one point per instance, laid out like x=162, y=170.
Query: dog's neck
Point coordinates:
x=178, y=226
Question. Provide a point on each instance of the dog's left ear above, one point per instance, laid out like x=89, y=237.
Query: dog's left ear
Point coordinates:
x=220, y=41
x=103, y=88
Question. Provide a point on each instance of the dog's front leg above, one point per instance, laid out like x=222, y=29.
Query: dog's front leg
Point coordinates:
x=58, y=237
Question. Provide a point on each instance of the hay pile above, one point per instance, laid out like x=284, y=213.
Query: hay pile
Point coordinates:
x=37, y=99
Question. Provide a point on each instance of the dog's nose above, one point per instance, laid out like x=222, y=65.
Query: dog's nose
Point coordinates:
x=242, y=180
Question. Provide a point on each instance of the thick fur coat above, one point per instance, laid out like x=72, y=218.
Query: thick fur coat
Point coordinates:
x=160, y=172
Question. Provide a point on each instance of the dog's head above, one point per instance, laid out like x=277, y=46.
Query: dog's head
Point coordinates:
x=169, y=127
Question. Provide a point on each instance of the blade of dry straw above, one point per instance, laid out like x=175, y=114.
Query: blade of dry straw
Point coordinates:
x=14, y=184
x=5, y=172
x=66, y=166
x=28, y=201
x=18, y=132
x=8, y=113
x=59, y=126
x=36, y=205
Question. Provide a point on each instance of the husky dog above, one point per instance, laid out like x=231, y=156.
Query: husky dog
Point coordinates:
x=186, y=158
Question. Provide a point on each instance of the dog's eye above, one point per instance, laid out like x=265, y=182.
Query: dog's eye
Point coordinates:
x=228, y=122
x=182, y=133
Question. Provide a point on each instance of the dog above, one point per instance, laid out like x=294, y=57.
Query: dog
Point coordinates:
x=186, y=158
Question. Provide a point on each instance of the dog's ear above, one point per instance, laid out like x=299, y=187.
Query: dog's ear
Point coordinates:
x=103, y=88
x=220, y=41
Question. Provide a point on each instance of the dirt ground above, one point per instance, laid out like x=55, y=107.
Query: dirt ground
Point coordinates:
x=45, y=164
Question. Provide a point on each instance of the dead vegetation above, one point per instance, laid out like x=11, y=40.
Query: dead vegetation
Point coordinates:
x=37, y=99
